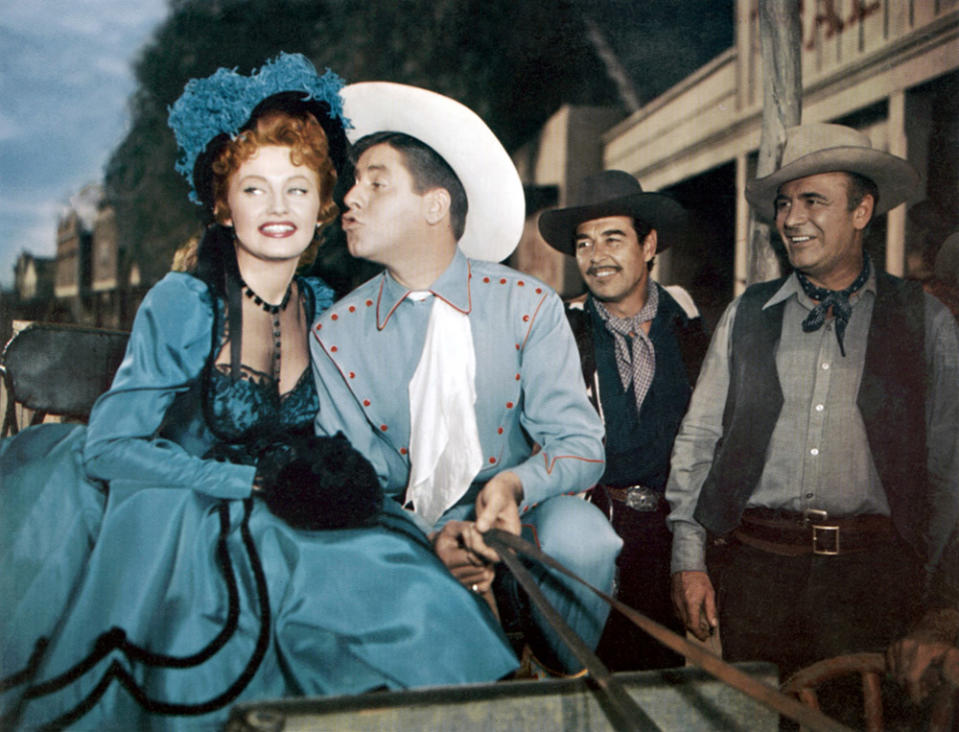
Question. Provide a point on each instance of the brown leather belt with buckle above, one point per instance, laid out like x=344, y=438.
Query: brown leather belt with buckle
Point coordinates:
x=812, y=532
x=637, y=497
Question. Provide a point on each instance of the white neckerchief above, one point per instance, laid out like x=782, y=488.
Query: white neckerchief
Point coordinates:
x=445, y=452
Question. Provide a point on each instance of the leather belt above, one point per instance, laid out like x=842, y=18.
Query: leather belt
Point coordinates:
x=637, y=497
x=812, y=532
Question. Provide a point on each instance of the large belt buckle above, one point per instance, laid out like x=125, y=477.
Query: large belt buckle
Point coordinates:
x=641, y=498
x=825, y=539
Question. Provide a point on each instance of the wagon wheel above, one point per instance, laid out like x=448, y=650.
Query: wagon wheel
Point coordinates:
x=871, y=667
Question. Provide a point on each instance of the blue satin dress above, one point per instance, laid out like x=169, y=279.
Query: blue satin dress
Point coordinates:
x=143, y=587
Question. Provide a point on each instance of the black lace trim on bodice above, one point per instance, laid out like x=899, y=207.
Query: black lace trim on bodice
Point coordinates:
x=243, y=408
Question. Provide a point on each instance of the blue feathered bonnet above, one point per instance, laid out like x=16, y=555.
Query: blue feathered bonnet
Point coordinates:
x=215, y=109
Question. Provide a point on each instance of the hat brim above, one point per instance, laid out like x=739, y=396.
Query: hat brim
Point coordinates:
x=494, y=222
x=896, y=179
x=558, y=227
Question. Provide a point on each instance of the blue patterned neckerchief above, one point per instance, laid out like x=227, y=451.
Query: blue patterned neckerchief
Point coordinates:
x=838, y=300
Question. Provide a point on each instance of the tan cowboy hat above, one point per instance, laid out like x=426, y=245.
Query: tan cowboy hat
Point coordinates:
x=613, y=193
x=497, y=210
x=827, y=148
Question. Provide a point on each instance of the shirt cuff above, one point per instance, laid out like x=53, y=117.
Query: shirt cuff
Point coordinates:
x=534, y=490
x=689, y=548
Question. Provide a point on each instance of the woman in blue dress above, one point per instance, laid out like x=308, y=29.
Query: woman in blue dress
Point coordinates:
x=194, y=546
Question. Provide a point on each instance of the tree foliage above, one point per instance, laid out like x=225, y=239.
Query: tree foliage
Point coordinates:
x=513, y=61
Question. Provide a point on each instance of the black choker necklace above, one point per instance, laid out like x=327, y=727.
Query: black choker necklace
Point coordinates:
x=275, y=311
x=271, y=309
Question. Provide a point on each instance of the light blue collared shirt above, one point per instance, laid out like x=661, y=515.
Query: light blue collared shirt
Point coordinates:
x=529, y=386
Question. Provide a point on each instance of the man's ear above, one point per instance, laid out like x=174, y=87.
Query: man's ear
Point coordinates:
x=436, y=205
x=649, y=245
x=862, y=214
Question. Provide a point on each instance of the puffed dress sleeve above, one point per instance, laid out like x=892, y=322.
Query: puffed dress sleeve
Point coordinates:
x=168, y=347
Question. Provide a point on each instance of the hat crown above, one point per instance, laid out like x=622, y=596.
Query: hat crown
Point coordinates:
x=606, y=186
x=805, y=140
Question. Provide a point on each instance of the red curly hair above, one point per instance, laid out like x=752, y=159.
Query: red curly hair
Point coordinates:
x=308, y=146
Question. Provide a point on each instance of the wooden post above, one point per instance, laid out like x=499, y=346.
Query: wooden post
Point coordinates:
x=780, y=39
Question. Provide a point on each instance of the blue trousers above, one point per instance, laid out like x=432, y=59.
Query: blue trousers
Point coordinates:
x=580, y=537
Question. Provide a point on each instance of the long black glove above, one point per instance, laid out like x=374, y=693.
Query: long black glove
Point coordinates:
x=319, y=483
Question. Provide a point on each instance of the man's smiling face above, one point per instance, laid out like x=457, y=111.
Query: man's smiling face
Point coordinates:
x=612, y=260
x=823, y=237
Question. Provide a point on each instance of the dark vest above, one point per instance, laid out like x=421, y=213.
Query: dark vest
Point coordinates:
x=891, y=399
x=638, y=446
x=690, y=333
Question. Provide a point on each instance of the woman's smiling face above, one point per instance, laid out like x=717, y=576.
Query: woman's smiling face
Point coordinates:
x=274, y=205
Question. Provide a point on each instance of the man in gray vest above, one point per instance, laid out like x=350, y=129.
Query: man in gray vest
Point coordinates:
x=820, y=453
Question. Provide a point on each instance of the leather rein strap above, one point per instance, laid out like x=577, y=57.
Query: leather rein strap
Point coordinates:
x=624, y=712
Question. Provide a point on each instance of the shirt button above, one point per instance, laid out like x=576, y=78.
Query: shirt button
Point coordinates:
x=819, y=407
x=825, y=367
x=814, y=451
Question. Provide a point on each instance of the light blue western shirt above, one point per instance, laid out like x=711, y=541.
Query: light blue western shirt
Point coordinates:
x=529, y=387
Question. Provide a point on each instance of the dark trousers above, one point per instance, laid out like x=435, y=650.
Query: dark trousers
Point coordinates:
x=643, y=584
x=793, y=611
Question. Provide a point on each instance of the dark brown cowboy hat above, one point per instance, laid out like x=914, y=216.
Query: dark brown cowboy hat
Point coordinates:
x=613, y=193
x=827, y=148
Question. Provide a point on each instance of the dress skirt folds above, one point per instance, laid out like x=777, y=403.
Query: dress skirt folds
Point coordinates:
x=129, y=603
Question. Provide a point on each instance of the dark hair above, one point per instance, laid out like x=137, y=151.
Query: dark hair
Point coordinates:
x=427, y=168
x=642, y=231
x=857, y=188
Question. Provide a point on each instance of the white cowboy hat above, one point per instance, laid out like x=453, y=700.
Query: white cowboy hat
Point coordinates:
x=826, y=148
x=497, y=209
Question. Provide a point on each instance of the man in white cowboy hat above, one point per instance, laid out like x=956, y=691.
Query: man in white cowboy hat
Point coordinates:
x=448, y=369
x=640, y=352
x=821, y=447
